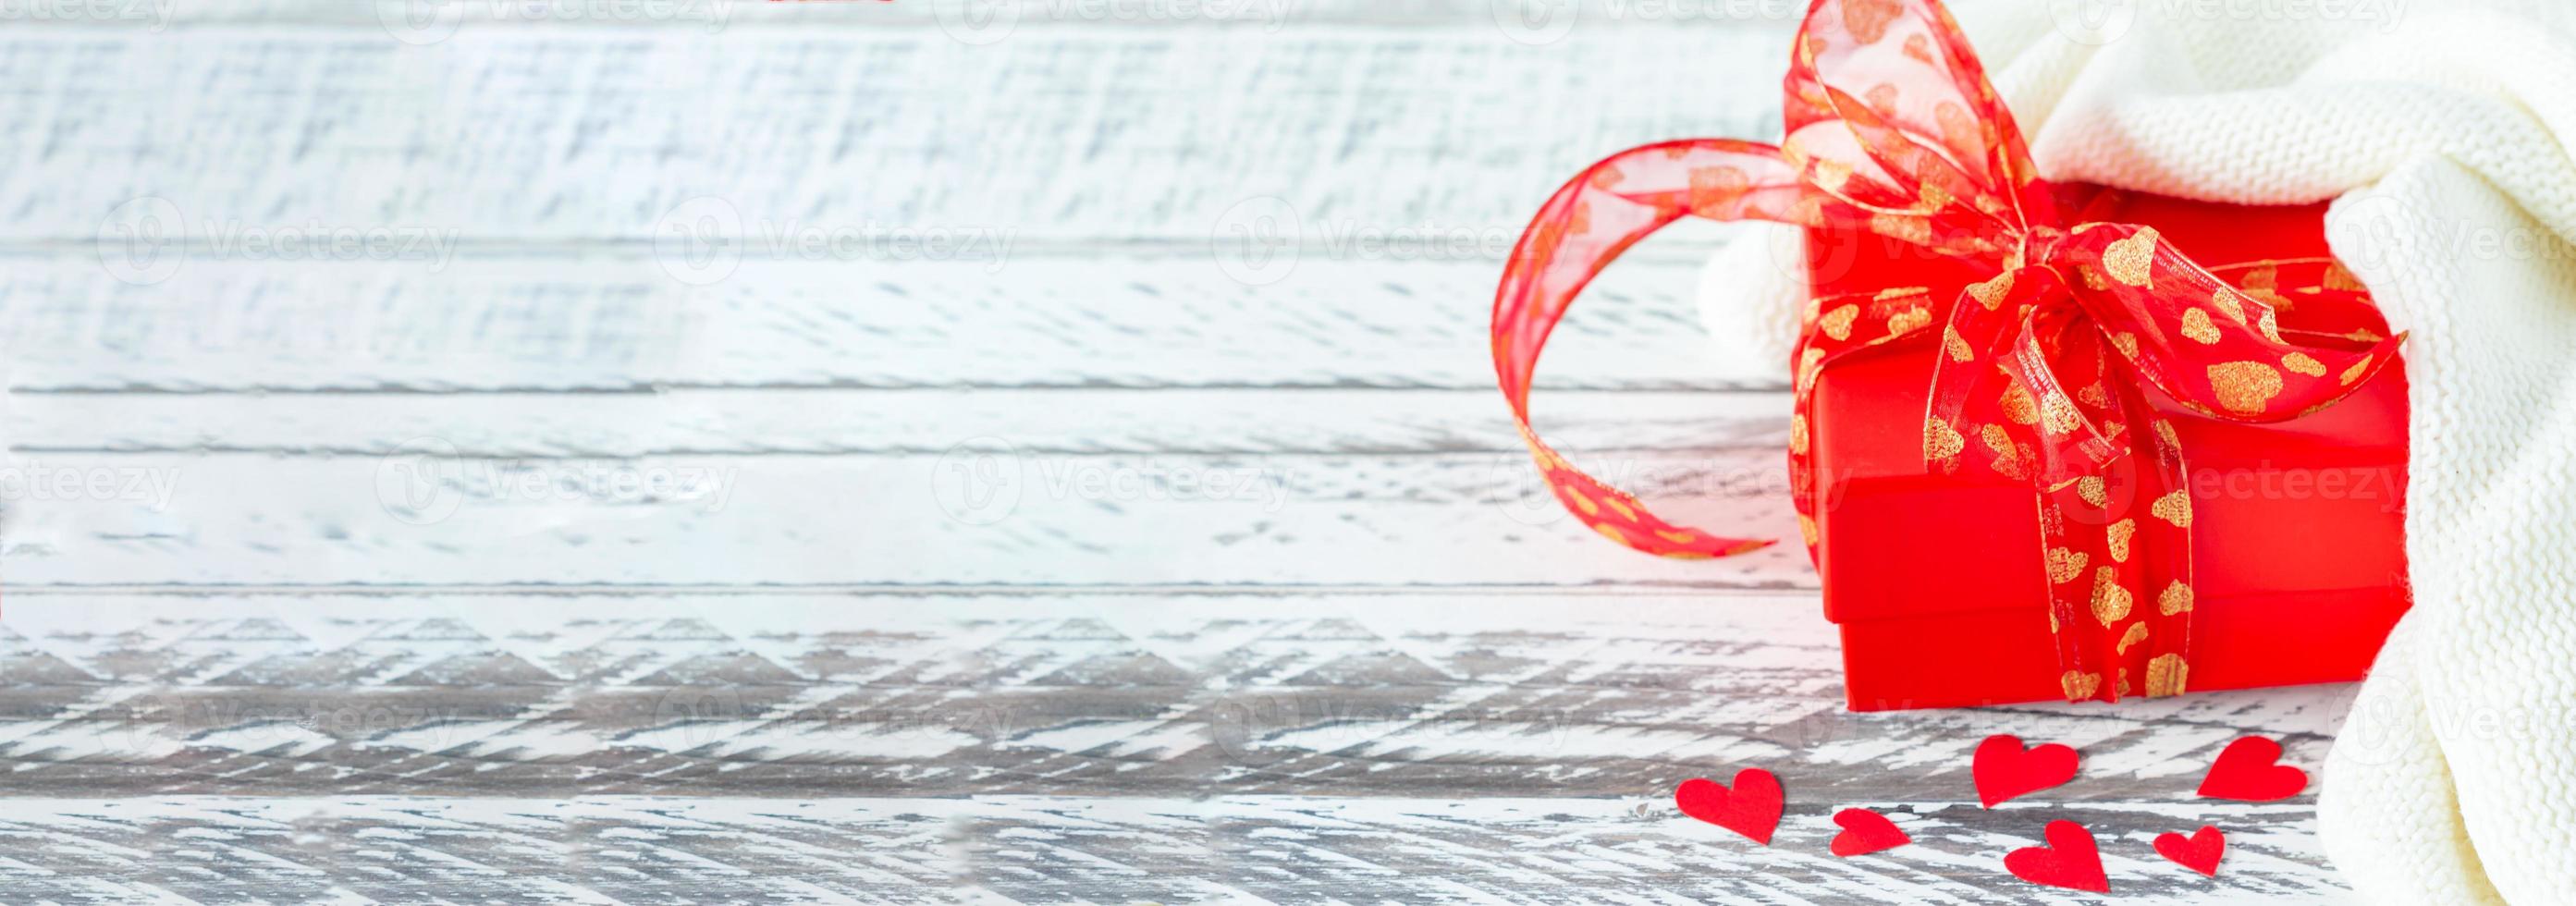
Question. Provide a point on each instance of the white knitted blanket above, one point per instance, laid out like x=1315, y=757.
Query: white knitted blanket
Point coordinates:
x=2438, y=126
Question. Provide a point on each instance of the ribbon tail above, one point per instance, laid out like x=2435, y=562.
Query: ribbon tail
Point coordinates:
x=2156, y=519
x=1582, y=228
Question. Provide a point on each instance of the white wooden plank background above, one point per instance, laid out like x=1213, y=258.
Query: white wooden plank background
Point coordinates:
x=1117, y=563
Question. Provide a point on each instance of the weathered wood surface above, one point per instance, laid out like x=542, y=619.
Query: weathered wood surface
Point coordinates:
x=424, y=517
x=885, y=693
x=363, y=612
x=618, y=322
x=718, y=15
x=1190, y=421
x=525, y=142
x=1115, y=746
x=1049, y=850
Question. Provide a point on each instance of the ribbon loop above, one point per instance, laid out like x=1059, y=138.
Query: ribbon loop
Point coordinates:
x=1586, y=225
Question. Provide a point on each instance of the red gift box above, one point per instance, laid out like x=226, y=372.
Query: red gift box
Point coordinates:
x=2298, y=542
x=2040, y=449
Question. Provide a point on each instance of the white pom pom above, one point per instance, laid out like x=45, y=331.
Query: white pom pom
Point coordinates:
x=1750, y=295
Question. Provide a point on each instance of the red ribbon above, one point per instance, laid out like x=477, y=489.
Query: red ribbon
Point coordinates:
x=2044, y=363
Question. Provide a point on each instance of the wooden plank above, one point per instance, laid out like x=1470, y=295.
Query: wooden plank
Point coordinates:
x=1118, y=319
x=1641, y=851
x=934, y=422
x=1341, y=694
x=519, y=139
x=975, y=515
x=1061, y=849
x=1013, y=17
x=401, y=849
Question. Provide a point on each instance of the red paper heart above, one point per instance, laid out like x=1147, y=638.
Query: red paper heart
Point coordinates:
x=2070, y=860
x=2199, y=852
x=2004, y=770
x=1866, y=832
x=1752, y=808
x=2245, y=771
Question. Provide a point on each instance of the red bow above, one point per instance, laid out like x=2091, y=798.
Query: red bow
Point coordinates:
x=2044, y=363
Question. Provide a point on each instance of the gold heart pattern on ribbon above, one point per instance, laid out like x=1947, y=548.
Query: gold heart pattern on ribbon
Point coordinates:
x=2044, y=364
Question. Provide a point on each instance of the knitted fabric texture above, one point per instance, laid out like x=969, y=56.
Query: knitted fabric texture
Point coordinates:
x=2439, y=129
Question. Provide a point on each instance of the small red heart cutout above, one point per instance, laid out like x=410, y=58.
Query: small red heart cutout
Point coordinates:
x=2003, y=769
x=2070, y=860
x=2199, y=852
x=1752, y=808
x=1866, y=832
x=2247, y=771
